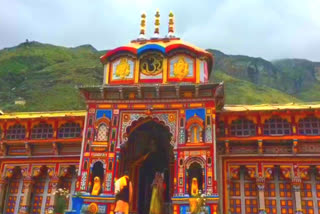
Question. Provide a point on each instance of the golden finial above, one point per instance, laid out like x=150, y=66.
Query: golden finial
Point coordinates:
x=171, y=25
x=143, y=26
x=157, y=24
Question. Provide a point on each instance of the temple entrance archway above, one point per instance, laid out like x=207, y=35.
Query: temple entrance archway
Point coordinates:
x=146, y=152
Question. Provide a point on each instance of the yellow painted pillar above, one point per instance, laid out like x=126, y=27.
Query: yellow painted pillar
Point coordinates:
x=197, y=70
x=3, y=185
x=136, y=71
x=106, y=72
x=26, y=199
x=165, y=71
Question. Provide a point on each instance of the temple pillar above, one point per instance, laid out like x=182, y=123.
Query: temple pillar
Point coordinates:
x=227, y=147
x=54, y=180
x=296, y=185
x=260, y=182
x=26, y=199
x=3, y=184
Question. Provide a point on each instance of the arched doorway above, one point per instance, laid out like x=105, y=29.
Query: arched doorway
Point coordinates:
x=146, y=152
x=195, y=171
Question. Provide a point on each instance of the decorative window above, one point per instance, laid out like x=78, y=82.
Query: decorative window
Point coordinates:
x=277, y=126
x=286, y=200
x=69, y=130
x=243, y=194
x=195, y=133
x=40, y=193
x=221, y=129
x=90, y=121
x=42, y=131
x=110, y=165
x=278, y=194
x=309, y=126
x=89, y=133
x=102, y=134
x=242, y=128
x=112, y=147
x=194, y=128
x=16, y=132
x=310, y=192
x=14, y=194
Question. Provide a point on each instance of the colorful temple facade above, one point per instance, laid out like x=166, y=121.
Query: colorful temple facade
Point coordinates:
x=157, y=112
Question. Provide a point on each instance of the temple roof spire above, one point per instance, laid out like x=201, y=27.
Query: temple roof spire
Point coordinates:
x=143, y=26
x=171, y=25
x=156, y=24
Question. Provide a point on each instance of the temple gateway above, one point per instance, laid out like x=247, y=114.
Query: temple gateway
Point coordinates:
x=157, y=112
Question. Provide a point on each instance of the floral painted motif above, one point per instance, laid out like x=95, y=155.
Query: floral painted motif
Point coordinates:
x=168, y=119
x=83, y=180
x=208, y=134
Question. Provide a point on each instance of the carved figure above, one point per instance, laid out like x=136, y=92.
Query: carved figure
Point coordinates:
x=194, y=187
x=181, y=68
x=96, y=186
x=123, y=69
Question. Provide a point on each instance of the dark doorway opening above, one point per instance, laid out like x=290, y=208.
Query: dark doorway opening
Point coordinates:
x=195, y=171
x=97, y=170
x=147, y=151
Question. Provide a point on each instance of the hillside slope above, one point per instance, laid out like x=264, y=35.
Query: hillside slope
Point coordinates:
x=297, y=77
x=238, y=91
x=46, y=76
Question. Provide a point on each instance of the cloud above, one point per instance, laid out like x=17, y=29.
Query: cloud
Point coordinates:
x=271, y=29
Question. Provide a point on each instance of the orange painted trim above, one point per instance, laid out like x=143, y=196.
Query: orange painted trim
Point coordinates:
x=103, y=106
x=158, y=106
x=272, y=138
x=139, y=106
x=195, y=105
x=176, y=105
x=122, y=106
x=59, y=140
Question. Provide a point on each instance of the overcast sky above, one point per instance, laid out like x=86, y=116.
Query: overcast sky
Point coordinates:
x=271, y=29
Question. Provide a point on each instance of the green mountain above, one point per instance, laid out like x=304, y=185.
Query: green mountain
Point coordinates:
x=46, y=76
x=299, y=78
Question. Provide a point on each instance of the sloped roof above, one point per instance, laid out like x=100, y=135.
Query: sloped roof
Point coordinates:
x=45, y=114
x=270, y=107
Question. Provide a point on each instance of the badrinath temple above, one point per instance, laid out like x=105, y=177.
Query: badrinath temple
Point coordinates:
x=156, y=111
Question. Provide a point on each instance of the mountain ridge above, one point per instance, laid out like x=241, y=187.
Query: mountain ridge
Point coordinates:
x=46, y=76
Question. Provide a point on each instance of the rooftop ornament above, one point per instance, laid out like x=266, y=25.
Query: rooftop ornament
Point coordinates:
x=171, y=25
x=156, y=24
x=142, y=35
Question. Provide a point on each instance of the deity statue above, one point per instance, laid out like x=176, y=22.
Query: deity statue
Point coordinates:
x=96, y=186
x=123, y=192
x=181, y=68
x=194, y=201
x=123, y=68
x=194, y=187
